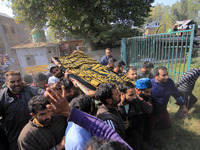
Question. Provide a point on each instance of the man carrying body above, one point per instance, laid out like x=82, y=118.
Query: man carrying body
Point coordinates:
x=134, y=108
x=104, y=60
x=145, y=71
x=119, y=66
x=132, y=73
x=162, y=88
x=56, y=72
x=76, y=137
x=109, y=96
x=111, y=63
x=40, y=80
x=44, y=130
x=186, y=85
x=14, y=106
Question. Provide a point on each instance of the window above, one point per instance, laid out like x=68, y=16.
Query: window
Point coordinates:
x=12, y=28
x=30, y=60
x=5, y=29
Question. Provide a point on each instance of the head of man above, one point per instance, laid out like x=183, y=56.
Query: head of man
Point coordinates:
x=127, y=91
x=143, y=88
x=132, y=73
x=14, y=81
x=119, y=66
x=28, y=79
x=83, y=103
x=38, y=110
x=161, y=74
x=108, y=52
x=111, y=63
x=40, y=80
x=69, y=87
x=147, y=67
x=55, y=70
x=108, y=94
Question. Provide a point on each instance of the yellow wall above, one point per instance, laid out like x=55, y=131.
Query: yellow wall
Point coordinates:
x=36, y=69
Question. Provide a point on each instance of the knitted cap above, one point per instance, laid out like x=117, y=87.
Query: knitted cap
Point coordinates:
x=51, y=65
x=143, y=83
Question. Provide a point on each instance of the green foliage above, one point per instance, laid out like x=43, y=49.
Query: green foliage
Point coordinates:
x=179, y=11
x=93, y=20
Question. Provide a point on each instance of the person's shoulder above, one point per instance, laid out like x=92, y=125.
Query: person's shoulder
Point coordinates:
x=170, y=81
x=152, y=80
x=3, y=93
x=27, y=131
x=103, y=58
x=52, y=79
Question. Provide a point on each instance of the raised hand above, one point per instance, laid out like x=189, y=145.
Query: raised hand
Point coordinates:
x=59, y=103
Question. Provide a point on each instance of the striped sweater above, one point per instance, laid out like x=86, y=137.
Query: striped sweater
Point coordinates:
x=187, y=80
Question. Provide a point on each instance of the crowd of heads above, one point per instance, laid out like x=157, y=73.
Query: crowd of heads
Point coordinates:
x=107, y=94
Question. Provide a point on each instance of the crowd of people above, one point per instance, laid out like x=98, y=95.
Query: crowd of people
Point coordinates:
x=49, y=112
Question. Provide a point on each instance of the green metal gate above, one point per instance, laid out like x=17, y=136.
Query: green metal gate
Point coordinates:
x=172, y=50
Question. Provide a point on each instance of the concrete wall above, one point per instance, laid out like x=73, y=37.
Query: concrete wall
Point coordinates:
x=30, y=57
x=116, y=53
x=15, y=33
x=39, y=55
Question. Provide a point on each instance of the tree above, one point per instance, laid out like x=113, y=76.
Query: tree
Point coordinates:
x=92, y=20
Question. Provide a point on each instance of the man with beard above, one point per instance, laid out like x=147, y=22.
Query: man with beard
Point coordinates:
x=109, y=96
x=163, y=88
x=14, y=106
x=119, y=66
x=145, y=71
x=134, y=103
x=132, y=73
x=44, y=130
x=56, y=72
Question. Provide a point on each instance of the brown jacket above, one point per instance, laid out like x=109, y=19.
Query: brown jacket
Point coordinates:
x=34, y=137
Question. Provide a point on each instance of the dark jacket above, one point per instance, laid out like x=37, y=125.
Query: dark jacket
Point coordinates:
x=104, y=113
x=136, y=112
x=14, y=111
x=34, y=137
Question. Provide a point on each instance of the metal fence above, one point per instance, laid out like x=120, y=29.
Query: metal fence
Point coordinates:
x=172, y=50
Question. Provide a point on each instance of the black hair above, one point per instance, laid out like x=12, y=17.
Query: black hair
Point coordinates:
x=147, y=64
x=37, y=103
x=156, y=71
x=131, y=68
x=66, y=82
x=125, y=86
x=82, y=102
x=104, y=91
x=108, y=49
x=28, y=78
x=111, y=60
x=119, y=63
x=98, y=143
x=40, y=77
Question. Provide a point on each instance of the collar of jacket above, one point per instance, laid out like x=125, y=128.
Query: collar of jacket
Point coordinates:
x=37, y=122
